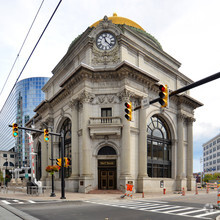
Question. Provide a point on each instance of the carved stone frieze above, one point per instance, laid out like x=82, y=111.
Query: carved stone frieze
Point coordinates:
x=106, y=99
x=105, y=57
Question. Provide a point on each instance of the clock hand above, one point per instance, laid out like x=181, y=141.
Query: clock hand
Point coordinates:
x=107, y=42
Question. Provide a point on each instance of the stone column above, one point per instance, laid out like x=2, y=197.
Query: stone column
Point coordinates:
x=190, y=180
x=180, y=153
x=142, y=169
x=125, y=160
x=86, y=178
x=142, y=153
x=74, y=139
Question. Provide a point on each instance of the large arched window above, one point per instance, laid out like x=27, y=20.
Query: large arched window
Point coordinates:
x=158, y=148
x=66, y=127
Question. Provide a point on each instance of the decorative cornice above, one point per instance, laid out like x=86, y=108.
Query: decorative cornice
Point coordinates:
x=125, y=95
x=86, y=97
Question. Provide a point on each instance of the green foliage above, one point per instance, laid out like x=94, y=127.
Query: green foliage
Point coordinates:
x=208, y=177
x=216, y=176
x=1, y=177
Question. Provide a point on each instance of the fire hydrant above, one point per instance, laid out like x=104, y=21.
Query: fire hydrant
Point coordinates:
x=164, y=191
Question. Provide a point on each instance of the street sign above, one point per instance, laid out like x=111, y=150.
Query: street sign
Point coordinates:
x=145, y=103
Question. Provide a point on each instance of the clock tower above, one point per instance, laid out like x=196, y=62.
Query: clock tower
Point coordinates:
x=112, y=62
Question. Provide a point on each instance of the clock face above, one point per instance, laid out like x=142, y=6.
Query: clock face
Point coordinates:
x=105, y=41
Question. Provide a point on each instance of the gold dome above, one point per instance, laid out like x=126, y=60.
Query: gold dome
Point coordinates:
x=120, y=20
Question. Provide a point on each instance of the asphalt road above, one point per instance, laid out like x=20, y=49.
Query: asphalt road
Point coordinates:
x=116, y=210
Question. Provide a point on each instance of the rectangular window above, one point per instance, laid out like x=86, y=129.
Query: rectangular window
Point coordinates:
x=5, y=155
x=105, y=114
x=12, y=156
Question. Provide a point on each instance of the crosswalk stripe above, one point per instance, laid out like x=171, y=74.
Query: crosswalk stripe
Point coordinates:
x=18, y=201
x=177, y=210
x=171, y=207
x=6, y=202
x=205, y=214
x=31, y=201
x=186, y=213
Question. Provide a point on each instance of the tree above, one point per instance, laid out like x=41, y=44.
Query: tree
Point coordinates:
x=208, y=177
x=216, y=176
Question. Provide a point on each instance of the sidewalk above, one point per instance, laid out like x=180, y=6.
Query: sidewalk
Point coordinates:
x=190, y=196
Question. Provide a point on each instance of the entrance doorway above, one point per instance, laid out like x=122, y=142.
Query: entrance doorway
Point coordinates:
x=107, y=174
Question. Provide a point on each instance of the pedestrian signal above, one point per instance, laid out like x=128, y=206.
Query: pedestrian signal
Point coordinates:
x=59, y=162
x=46, y=135
x=164, y=96
x=128, y=111
x=15, y=129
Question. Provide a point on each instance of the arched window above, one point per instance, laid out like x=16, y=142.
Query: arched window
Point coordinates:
x=66, y=127
x=158, y=148
x=107, y=151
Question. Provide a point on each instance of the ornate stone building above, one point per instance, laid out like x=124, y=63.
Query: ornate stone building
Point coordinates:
x=114, y=61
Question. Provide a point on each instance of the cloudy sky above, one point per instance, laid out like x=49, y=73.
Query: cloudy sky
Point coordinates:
x=188, y=30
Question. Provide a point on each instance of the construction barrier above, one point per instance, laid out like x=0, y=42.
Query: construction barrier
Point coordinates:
x=207, y=189
x=211, y=185
x=129, y=191
x=196, y=190
x=218, y=196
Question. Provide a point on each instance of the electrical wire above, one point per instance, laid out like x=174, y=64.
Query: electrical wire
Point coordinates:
x=21, y=47
x=35, y=46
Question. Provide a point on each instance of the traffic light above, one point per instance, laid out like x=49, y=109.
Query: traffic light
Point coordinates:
x=46, y=135
x=15, y=129
x=59, y=162
x=128, y=111
x=164, y=96
x=66, y=162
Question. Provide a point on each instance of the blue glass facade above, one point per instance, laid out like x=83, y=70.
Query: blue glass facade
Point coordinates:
x=19, y=108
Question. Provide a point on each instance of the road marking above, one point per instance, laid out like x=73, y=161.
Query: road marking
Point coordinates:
x=31, y=201
x=171, y=207
x=205, y=214
x=177, y=210
x=198, y=210
x=6, y=202
x=19, y=202
x=150, y=201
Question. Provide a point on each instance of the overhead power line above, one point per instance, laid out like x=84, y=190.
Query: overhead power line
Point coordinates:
x=35, y=47
x=22, y=47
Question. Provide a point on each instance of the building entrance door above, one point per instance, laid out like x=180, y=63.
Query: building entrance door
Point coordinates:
x=107, y=174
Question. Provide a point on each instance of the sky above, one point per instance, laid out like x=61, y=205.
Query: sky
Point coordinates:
x=188, y=30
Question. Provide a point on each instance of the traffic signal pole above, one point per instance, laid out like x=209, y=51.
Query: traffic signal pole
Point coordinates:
x=185, y=88
x=62, y=154
x=62, y=167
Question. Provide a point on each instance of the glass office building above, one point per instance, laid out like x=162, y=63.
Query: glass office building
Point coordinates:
x=18, y=108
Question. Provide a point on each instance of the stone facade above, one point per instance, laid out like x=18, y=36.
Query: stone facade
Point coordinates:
x=89, y=82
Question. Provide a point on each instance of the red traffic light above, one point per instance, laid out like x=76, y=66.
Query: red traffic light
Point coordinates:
x=128, y=111
x=164, y=96
x=128, y=105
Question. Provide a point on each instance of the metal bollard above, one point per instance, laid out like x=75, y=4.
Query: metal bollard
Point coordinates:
x=142, y=194
x=164, y=191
